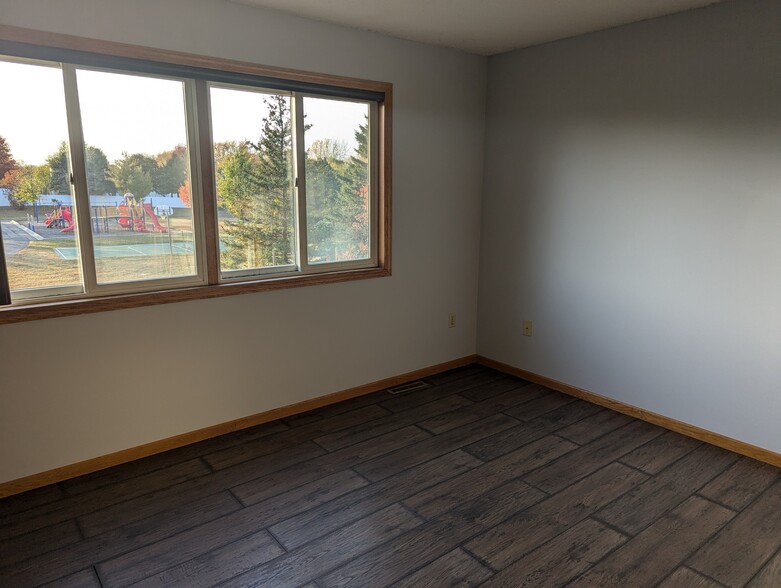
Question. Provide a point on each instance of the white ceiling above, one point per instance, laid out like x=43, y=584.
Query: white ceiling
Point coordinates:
x=485, y=27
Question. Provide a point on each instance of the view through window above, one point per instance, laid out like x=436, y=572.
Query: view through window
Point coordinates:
x=37, y=217
x=101, y=174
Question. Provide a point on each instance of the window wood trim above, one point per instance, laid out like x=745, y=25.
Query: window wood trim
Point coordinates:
x=214, y=289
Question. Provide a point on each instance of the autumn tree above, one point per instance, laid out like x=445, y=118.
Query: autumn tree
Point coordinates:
x=171, y=171
x=184, y=194
x=7, y=162
x=26, y=183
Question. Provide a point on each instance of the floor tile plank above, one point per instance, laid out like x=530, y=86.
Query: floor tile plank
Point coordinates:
x=589, y=458
x=156, y=557
x=641, y=506
x=323, y=555
x=526, y=432
x=116, y=494
x=685, y=578
x=734, y=555
x=527, y=530
x=77, y=556
x=669, y=540
x=307, y=526
x=83, y=579
x=740, y=484
x=392, y=422
x=770, y=575
x=220, y=564
x=594, y=426
x=659, y=453
x=456, y=568
x=393, y=463
x=384, y=566
x=40, y=541
x=513, y=396
x=539, y=406
x=305, y=472
x=135, y=509
x=280, y=441
x=557, y=562
x=447, y=495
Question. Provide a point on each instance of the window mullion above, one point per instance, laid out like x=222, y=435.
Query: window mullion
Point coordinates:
x=302, y=254
x=78, y=173
x=202, y=177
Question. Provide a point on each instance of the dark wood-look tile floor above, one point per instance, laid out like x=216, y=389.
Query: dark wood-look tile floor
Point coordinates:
x=478, y=479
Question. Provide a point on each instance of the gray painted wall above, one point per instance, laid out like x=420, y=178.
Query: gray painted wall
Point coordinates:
x=632, y=210
x=80, y=387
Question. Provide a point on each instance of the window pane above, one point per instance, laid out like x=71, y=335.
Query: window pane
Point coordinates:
x=253, y=163
x=337, y=180
x=36, y=212
x=135, y=135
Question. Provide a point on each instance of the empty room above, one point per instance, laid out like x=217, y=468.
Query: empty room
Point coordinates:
x=447, y=293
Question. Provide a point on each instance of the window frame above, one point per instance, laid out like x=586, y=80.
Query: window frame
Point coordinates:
x=209, y=282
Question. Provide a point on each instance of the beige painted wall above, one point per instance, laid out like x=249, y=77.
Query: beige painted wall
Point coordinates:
x=632, y=210
x=80, y=387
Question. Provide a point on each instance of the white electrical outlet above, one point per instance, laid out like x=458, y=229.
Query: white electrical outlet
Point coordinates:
x=451, y=320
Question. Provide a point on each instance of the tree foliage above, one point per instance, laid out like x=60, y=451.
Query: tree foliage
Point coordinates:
x=7, y=162
x=337, y=201
x=355, y=192
x=333, y=150
x=98, y=179
x=171, y=170
x=26, y=183
x=254, y=183
x=133, y=174
x=184, y=194
x=254, y=186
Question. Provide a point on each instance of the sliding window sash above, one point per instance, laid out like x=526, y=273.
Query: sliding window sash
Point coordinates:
x=78, y=178
x=299, y=120
x=302, y=253
x=5, y=287
x=80, y=193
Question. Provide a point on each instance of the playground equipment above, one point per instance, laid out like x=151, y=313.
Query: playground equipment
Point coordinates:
x=68, y=218
x=133, y=216
x=60, y=218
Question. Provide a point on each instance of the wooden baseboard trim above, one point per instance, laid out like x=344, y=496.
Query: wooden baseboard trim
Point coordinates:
x=722, y=441
x=106, y=461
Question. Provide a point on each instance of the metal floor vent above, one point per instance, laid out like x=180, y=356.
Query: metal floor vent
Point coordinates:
x=409, y=387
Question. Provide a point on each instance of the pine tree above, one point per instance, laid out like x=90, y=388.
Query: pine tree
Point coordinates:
x=355, y=194
x=324, y=219
x=255, y=184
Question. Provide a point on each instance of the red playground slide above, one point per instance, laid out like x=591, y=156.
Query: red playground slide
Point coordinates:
x=124, y=218
x=68, y=217
x=155, y=221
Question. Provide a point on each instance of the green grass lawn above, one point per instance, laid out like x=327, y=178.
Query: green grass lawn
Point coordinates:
x=39, y=265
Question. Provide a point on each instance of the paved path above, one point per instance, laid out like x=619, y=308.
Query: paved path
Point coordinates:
x=15, y=239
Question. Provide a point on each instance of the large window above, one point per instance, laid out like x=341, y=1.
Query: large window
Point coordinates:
x=121, y=175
